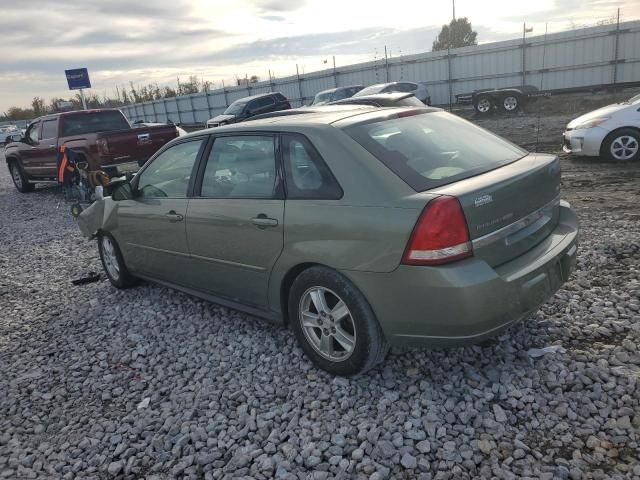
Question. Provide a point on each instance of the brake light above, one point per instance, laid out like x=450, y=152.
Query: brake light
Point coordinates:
x=103, y=146
x=440, y=235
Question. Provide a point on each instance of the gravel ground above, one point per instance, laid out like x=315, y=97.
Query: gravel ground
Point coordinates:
x=150, y=383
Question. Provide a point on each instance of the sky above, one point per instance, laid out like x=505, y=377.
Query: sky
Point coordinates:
x=157, y=41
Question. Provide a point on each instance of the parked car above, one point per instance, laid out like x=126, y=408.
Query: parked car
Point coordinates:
x=103, y=138
x=250, y=106
x=333, y=94
x=143, y=124
x=611, y=132
x=403, y=226
x=395, y=99
x=419, y=89
x=6, y=132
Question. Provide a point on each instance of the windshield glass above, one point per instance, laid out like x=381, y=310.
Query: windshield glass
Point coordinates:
x=370, y=90
x=78, y=124
x=322, y=97
x=634, y=100
x=427, y=150
x=235, y=108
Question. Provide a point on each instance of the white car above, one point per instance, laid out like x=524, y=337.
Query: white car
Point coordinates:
x=612, y=132
x=6, y=131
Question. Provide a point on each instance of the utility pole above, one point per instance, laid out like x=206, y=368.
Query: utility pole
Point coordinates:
x=524, y=51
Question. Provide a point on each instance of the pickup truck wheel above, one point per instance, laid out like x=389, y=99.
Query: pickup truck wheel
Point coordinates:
x=113, y=263
x=621, y=145
x=19, y=178
x=483, y=105
x=510, y=103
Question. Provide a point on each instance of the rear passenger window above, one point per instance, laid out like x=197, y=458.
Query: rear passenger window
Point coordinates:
x=306, y=174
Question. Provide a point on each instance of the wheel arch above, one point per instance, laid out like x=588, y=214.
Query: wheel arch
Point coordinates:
x=287, y=282
x=614, y=132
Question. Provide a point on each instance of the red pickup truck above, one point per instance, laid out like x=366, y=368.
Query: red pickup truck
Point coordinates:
x=103, y=138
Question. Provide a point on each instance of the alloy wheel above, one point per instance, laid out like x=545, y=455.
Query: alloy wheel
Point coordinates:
x=624, y=147
x=484, y=105
x=510, y=103
x=327, y=324
x=110, y=258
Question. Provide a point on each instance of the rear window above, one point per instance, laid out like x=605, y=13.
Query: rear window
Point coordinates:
x=93, y=123
x=431, y=149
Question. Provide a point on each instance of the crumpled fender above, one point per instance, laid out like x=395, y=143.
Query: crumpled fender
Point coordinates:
x=100, y=215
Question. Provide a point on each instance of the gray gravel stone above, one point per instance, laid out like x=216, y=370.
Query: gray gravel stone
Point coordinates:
x=231, y=396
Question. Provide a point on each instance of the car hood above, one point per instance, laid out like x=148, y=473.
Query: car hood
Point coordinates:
x=221, y=118
x=601, y=112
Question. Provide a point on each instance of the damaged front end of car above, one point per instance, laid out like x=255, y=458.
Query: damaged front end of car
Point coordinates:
x=101, y=215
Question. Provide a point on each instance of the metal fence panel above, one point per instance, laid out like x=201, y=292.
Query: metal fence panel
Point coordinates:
x=576, y=58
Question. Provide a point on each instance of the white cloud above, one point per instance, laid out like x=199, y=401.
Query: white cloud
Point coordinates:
x=144, y=41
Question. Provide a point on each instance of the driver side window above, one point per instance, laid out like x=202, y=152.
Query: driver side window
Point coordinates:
x=242, y=166
x=33, y=133
x=169, y=174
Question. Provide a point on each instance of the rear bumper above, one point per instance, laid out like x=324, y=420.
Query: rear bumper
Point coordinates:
x=585, y=142
x=469, y=301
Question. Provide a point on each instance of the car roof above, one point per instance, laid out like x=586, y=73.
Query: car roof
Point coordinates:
x=259, y=95
x=335, y=89
x=393, y=96
x=324, y=115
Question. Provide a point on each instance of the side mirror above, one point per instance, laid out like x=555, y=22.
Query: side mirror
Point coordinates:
x=123, y=192
x=16, y=137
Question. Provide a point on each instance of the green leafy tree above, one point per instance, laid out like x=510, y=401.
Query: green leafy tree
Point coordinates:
x=38, y=106
x=458, y=33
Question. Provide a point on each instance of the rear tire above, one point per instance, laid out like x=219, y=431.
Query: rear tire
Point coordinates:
x=621, y=146
x=340, y=333
x=20, y=180
x=113, y=263
x=483, y=105
x=510, y=103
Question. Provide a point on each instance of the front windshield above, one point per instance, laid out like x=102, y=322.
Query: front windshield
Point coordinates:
x=235, y=108
x=322, y=97
x=634, y=100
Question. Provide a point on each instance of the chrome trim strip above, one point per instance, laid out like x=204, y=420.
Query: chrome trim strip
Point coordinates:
x=501, y=233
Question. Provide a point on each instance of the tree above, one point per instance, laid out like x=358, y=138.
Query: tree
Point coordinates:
x=458, y=32
x=38, y=106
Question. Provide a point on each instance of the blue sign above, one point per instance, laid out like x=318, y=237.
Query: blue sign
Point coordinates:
x=78, y=78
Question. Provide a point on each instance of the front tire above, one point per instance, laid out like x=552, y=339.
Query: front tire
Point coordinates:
x=621, y=146
x=113, y=263
x=483, y=105
x=334, y=323
x=20, y=180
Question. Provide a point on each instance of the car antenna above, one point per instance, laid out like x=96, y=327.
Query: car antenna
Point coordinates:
x=544, y=51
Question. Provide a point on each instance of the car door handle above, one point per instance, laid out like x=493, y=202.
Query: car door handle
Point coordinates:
x=174, y=217
x=262, y=221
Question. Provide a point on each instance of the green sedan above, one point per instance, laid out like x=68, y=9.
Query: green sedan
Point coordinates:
x=360, y=228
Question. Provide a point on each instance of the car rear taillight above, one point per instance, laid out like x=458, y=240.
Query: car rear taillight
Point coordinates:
x=103, y=146
x=440, y=236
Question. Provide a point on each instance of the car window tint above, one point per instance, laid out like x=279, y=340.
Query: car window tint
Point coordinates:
x=342, y=93
x=49, y=129
x=262, y=103
x=405, y=87
x=431, y=149
x=169, y=174
x=242, y=166
x=104, y=121
x=33, y=133
x=306, y=174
